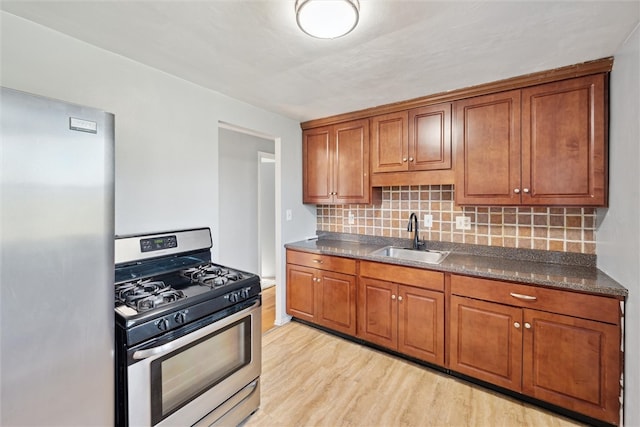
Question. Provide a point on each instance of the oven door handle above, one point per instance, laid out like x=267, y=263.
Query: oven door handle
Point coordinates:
x=172, y=345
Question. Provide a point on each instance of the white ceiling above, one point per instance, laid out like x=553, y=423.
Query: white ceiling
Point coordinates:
x=253, y=51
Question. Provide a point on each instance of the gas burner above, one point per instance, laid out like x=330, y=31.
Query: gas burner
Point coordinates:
x=233, y=276
x=145, y=295
x=211, y=275
x=157, y=300
x=214, y=269
x=213, y=281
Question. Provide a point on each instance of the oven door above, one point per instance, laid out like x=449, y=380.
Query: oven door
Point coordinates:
x=182, y=378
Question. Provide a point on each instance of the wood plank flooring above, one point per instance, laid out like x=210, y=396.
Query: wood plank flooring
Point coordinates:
x=312, y=378
x=268, y=308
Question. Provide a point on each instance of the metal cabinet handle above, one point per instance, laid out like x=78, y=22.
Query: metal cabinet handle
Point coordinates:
x=399, y=298
x=393, y=297
x=527, y=325
x=525, y=190
x=404, y=159
x=411, y=159
x=319, y=261
x=516, y=190
x=517, y=325
x=523, y=297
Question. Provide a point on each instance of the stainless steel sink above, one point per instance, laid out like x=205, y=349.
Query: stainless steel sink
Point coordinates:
x=426, y=256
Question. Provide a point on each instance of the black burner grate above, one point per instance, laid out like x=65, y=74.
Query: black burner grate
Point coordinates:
x=212, y=275
x=144, y=295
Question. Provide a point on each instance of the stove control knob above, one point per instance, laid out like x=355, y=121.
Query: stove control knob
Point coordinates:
x=179, y=317
x=163, y=324
x=244, y=293
x=233, y=297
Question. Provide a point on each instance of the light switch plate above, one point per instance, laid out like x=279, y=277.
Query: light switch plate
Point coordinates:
x=428, y=220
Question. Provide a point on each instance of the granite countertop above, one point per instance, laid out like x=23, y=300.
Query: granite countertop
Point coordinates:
x=553, y=269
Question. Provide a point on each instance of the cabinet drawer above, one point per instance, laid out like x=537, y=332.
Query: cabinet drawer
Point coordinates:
x=322, y=262
x=576, y=304
x=417, y=277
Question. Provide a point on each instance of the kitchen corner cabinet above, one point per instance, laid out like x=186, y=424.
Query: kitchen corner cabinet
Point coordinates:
x=322, y=289
x=557, y=346
x=541, y=145
x=411, y=141
x=402, y=309
x=336, y=163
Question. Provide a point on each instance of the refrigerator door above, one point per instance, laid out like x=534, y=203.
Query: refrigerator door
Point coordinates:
x=56, y=263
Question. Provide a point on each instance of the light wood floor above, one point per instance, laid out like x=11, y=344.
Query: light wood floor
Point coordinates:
x=268, y=308
x=311, y=378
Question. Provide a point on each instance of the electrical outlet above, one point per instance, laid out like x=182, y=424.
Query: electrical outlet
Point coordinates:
x=352, y=218
x=289, y=214
x=463, y=223
x=428, y=220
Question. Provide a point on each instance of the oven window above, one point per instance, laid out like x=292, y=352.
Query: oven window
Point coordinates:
x=185, y=374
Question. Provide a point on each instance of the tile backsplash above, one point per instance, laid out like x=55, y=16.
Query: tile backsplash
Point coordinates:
x=546, y=228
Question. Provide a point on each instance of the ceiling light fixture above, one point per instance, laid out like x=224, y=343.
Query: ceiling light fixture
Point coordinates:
x=327, y=19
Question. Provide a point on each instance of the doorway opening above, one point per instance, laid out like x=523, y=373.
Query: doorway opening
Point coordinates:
x=247, y=229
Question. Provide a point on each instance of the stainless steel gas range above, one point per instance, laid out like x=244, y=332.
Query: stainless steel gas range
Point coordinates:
x=188, y=333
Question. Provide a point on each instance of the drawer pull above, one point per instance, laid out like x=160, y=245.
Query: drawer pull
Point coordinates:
x=399, y=298
x=527, y=325
x=517, y=325
x=523, y=297
x=319, y=261
x=393, y=297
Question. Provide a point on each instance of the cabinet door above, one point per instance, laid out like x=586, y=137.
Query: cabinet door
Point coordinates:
x=564, y=150
x=573, y=363
x=421, y=324
x=389, y=142
x=378, y=312
x=337, y=301
x=317, y=179
x=351, y=162
x=487, y=138
x=301, y=300
x=430, y=138
x=486, y=341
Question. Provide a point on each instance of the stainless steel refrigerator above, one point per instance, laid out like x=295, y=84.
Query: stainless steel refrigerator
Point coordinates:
x=56, y=263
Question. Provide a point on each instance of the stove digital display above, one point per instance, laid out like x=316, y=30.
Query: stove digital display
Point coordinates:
x=158, y=243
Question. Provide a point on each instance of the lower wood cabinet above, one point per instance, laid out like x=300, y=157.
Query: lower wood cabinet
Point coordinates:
x=508, y=335
x=322, y=289
x=407, y=319
x=555, y=345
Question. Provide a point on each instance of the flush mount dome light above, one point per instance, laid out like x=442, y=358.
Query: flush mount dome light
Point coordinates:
x=327, y=19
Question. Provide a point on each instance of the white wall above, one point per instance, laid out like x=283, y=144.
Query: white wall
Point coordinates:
x=166, y=132
x=238, y=177
x=618, y=234
x=267, y=215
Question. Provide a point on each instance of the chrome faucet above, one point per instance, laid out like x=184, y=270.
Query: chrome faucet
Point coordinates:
x=413, y=226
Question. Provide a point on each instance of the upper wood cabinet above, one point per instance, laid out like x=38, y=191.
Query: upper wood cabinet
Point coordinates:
x=336, y=164
x=415, y=140
x=390, y=142
x=543, y=145
x=487, y=137
x=564, y=143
